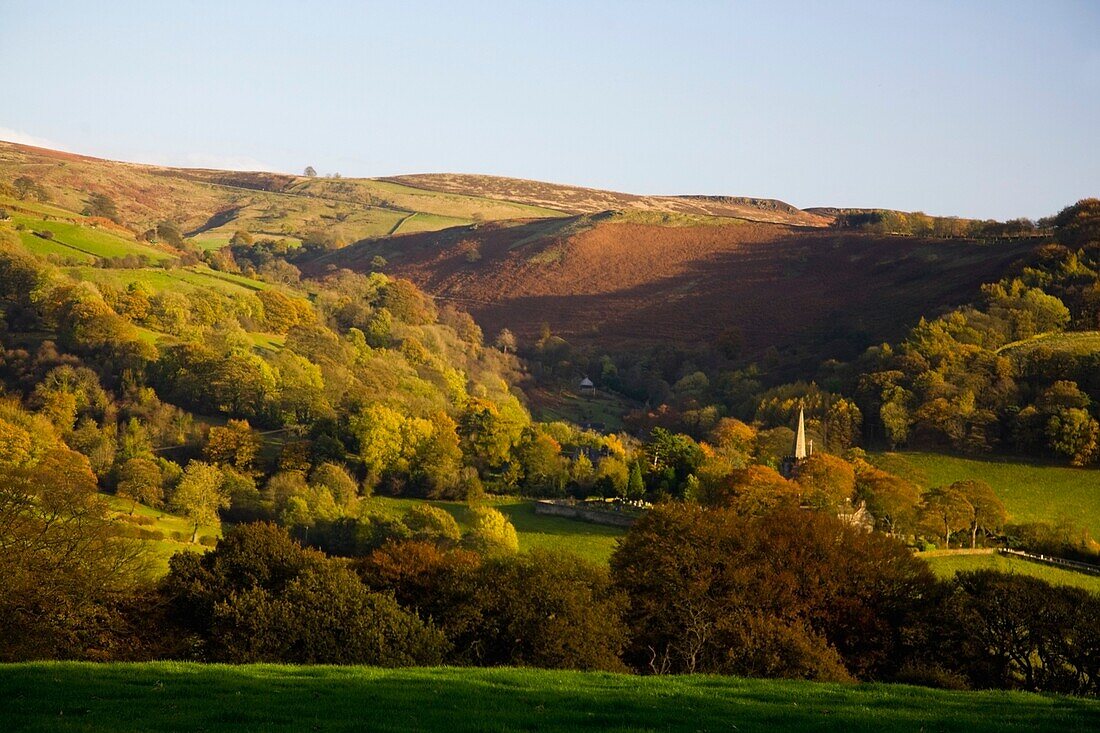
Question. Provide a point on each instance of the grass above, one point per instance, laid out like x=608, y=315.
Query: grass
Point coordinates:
x=945, y=566
x=167, y=696
x=603, y=410
x=1031, y=491
x=171, y=525
x=1074, y=342
x=593, y=542
x=91, y=241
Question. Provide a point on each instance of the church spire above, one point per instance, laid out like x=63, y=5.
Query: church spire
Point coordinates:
x=800, y=438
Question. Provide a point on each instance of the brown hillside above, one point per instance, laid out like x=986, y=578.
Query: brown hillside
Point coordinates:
x=578, y=200
x=608, y=281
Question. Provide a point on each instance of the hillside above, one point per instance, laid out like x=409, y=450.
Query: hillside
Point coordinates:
x=579, y=200
x=611, y=279
x=174, y=696
x=210, y=205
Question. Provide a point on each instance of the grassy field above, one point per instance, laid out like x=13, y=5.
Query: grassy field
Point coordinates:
x=594, y=542
x=946, y=566
x=164, y=696
x=176, y=531
x=1075, y=342
x=1031, y=491
x=79, y=239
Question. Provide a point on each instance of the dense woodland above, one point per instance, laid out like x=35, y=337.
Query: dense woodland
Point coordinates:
x=166, y=399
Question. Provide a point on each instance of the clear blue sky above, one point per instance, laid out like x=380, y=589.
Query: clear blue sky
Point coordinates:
x=974, y=109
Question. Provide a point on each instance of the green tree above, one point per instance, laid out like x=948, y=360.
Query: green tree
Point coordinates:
x=1072, y=432
x=432, y=524
x=635, y=486
x=200, y=495
x=491, y=532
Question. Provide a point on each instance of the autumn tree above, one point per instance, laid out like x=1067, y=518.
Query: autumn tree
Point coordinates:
x=826, y=480
x=235, y=445
x=200, y=495
x=60, y=559
x=946, y=511
x=987, y=512
x=506, y=341
x=140, y=481
x=757, y=489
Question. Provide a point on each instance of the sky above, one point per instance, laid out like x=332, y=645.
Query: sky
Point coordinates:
x=978, y=109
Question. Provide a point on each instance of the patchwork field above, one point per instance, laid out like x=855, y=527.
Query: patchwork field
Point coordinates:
x=165, y=696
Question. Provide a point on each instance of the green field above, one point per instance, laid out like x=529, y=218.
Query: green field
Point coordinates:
x=945, y=566
x=176, y=531
x=166, y=696
x=82, y=240
x=594, y=542
x=1031, y=491
x=1071, y=342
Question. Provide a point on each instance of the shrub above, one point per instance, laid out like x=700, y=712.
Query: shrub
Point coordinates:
x=259, y=596
x=432, y=524
x=491, y=533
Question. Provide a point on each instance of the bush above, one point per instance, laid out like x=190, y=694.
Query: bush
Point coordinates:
x=259, y=596
x=432, y=524
x=540, y=609
x=491, y=533
x=790, y=593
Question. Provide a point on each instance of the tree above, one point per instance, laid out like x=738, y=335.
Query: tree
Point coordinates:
x=506, y=341
x=258, y=596
x=987, y=511
x=1079, y=225
x=754, y=490
x=890, y=499
x=61, y=560
x=826, y=481
x=491, y=532
x=310, y=172
x=432, y=524
x=612, y=476
x=336, y=479
x=234, y=445
x=1074, y=433
x=946, y=511
x=140, y=482
x=241, y=238
x=538, y=609
x=24, y=186
x=791, y=593
x=635, y=486
x=102, y=205
x=200, y=495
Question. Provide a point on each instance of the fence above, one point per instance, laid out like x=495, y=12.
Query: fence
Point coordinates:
x=1058, y=562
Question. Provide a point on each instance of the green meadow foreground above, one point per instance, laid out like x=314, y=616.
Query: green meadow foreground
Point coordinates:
x=176, y=696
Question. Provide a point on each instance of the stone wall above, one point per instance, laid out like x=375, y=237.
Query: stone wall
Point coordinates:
x=596, y=516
